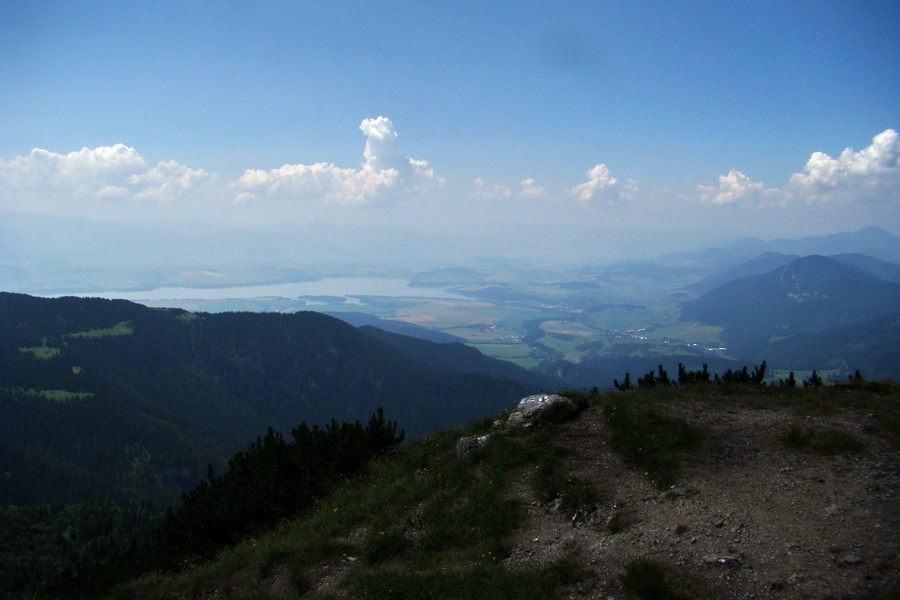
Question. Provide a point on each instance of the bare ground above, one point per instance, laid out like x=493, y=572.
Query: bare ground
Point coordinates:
x=749, y=517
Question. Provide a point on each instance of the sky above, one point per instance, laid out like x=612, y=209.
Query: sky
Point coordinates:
x=759, y=118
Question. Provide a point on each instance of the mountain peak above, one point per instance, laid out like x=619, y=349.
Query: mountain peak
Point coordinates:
x=811, y=273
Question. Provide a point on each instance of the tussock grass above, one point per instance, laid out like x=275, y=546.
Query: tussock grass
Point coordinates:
x=648, y=439
x=824, y=440
x=551, y=481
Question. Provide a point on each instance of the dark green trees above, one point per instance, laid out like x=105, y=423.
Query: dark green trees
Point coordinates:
x=271, y=480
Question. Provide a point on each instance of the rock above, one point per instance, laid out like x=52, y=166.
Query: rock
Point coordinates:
x=727, y=560
x=851, y=560
x=675, y=492
x=467, y=445
x=532, y=409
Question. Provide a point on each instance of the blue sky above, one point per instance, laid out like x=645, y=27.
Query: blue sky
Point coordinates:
x=702, y=113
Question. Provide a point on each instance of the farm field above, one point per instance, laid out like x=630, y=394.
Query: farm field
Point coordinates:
x=530, y=317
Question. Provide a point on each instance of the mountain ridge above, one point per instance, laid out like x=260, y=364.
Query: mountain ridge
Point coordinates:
x=808, y=295
x=201, y=385
x=871, y=241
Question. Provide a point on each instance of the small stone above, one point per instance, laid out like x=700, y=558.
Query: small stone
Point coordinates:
x=727, y=560
x=852, y=560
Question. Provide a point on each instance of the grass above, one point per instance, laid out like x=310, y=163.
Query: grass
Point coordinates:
x=875, y=396
x=648, y=439
x=58, y=395
x=122, y=328
x=421, y=523
x=890, y=423
x=470, y=582
x=824, y=440
x=41, y=352
x=552, y=481
x=647, y=579
x=517, y=353
x=425, y=523
x=621, y=519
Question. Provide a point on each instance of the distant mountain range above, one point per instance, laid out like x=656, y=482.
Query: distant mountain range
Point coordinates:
x=869, y=241
x=113, y=399
x=769, y=261
x=809, y=311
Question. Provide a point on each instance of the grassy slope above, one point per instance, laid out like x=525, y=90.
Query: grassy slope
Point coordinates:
x=423, y=523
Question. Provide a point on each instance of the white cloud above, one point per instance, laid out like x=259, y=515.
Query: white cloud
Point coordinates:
x=101, y=178
x=852, y=175
x=381, y=153
x=872, y=172
x=384, y=169
x=321, y=181
x=485, y=192
x=735, y=189
x=601, y=186
x=531, y=191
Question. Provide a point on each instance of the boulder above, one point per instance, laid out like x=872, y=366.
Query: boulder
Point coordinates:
x=467, y=445
x=532, y=409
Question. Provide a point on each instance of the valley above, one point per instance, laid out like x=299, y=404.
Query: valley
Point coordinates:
x=115, y=407
x=588, y=323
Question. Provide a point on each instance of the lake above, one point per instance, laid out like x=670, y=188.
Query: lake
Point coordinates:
x=346, y=287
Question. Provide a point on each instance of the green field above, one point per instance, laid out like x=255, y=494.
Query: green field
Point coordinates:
x=527, y=316
x=41, y=352
x=59, y=395
x=123, y=328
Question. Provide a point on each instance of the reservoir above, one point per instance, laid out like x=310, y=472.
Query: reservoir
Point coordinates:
x=346, y=287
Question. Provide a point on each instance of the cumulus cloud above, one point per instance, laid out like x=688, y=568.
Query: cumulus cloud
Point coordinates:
x=601, y=186
x=104, y=175
x=735, y=189
x=866, y=173
x=384, y=169
x=871, y=173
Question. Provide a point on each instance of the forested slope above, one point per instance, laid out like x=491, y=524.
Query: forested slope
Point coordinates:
x=114, y=399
